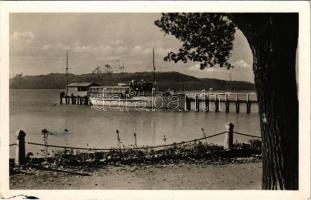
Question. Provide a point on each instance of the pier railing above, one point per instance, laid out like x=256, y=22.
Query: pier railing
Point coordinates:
x=219, y=100
x=20, y=151
x=226, y=98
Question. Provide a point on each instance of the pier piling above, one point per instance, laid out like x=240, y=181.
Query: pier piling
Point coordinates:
x=79, y=100
x=61, y=95
x=216, y=104
x=187, y=103
x=86, y=100
x=206, y=103
x=197, y=103
x=248, y=107
x=73, y=99
x=227, y=104
x=248, y=104
x=237, y=104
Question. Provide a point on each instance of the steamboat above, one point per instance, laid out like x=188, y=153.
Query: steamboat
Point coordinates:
x=136, y=94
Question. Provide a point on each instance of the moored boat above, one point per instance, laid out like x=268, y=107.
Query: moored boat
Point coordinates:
x=136, y=94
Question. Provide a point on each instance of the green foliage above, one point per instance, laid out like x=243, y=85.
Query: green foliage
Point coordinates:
x=207, y=38
x=192, y=153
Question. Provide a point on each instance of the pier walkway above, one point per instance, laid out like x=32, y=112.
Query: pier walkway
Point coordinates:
x=218, y=98
x=207, y=99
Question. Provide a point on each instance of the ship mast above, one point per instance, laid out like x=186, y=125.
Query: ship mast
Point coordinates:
x=229, y=83
x=154, y=78
x=67, y=73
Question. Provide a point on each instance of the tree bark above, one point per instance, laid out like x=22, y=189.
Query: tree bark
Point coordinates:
x=274, y=54
x=273, y=40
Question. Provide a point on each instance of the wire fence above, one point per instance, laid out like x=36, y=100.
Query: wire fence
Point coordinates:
x=138, y=148
x=130, y=148
x=254, y=136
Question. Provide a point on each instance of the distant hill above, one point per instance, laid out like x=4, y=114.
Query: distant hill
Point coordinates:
x=165, y=80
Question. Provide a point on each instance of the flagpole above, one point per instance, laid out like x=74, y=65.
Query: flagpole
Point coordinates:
x=67, y=73
x=154, y=77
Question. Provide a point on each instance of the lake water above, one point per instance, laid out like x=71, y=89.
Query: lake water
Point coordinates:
x=34, y=110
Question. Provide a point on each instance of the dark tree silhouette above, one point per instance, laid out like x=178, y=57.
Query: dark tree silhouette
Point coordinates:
x=207, y=38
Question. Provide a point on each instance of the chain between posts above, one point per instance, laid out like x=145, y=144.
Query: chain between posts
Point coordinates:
x=134, y=148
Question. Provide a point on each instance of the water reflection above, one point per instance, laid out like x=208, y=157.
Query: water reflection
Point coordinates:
x=31, y=111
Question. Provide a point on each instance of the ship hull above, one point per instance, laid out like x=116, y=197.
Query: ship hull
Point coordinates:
x=172, y=102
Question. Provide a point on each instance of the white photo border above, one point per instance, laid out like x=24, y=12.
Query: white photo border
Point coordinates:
x=302, y=7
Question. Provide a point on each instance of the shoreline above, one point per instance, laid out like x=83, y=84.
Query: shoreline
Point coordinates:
x=176, y=176
x=190, y=165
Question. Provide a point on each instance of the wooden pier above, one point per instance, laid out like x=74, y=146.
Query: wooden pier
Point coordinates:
x=217, y=98
x=78, y=100
x=208, y=99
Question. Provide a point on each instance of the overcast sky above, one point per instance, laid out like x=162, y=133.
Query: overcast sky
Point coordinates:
x=38, y=44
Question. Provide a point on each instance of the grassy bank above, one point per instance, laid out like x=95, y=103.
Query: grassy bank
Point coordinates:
x=187, y=153
x=196, y=165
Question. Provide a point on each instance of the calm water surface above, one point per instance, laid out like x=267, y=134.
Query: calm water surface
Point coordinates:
x=34, y=110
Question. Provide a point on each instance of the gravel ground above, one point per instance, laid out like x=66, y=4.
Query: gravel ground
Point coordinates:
x=179, y=176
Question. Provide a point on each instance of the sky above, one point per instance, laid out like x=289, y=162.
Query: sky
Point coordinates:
x=38, y=44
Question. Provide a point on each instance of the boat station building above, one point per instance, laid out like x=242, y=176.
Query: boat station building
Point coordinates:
x=79, y=89
x=109, y=91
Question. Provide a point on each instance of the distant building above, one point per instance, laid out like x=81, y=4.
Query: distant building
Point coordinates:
x=109, y=91
x=79, y=89
x=19, y=75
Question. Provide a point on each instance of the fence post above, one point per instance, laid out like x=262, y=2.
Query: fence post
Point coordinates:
x=45, y=134
x=118, y=139
x=135, y=139
x=204, y=134
x=228, y=143
x=164, y=139
x=20, y=158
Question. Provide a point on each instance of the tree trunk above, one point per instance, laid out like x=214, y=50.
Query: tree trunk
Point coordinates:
x=274, y=54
